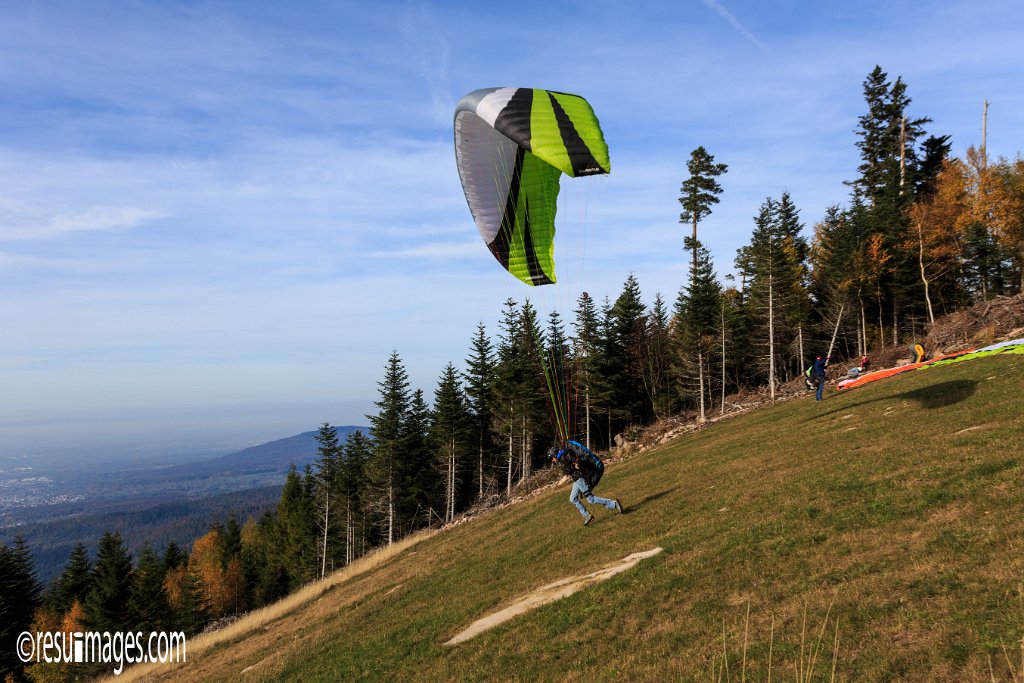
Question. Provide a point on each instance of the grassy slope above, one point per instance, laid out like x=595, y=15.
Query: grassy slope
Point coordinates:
x=874, y=507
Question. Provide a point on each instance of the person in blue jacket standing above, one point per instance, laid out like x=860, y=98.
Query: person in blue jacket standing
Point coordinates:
x=585, y=469
x=818, y=370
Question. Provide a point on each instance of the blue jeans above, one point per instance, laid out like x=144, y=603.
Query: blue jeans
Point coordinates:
x=821, y=387
x=579, y=487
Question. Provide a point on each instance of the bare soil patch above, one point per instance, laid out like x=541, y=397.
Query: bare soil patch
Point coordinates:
x=550, y=593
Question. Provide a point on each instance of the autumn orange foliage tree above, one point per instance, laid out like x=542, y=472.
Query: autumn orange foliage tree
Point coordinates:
x=939, y=222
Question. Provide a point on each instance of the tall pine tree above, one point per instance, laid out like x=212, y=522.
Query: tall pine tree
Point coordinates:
x=588, y=350
x=106, y=605
x=696, y=321
x=327, y=465
x=19, y=598
x=387, y=429
x=449, y=430
x=480, y=378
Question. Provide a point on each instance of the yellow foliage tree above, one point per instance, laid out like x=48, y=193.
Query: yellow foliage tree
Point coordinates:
x=47, y=621
x=939, y=222
x=205, y=565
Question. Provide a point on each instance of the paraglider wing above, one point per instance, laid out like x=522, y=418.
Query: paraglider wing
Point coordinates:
x=511, y=147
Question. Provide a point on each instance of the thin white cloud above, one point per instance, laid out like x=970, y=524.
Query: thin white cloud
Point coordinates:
x=440, y=251
x=735, y=23
x=33, y=223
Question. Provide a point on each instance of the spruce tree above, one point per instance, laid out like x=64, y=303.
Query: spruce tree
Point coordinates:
x=74, y=581
x=232, y=544
x=560, y=377
x=623, y=364
x=512, y=371
x=388, y=434
x=656, y=358
x=449, y=429
x=328, y=454
x=760, y=263
x=419, y=478
x=696, y=321
x=984, y=262
x=588, y=352
x=537, y=397
x=480, y=378
x=793, y=282
x=19, y=599
x=889, y=174
x=106, y=606
x=294, y=544
x=147, y=603
x=355, y=494
x=173, y=556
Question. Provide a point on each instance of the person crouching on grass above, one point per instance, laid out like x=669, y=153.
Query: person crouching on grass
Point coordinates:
x=585, y=469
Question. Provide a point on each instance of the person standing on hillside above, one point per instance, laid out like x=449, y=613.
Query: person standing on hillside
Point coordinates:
x=585, y=469
x=818, y=370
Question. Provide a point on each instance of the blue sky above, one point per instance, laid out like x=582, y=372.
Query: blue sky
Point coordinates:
x=218, y=219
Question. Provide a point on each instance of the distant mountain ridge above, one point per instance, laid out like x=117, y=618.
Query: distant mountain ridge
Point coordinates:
x=151, y=504
x=273, y=456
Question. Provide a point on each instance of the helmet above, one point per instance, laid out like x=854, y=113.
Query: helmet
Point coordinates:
x=553, y=453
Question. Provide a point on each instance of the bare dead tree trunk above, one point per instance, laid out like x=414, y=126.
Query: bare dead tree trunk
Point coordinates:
x=722, y=411
x=903, y=153
x=924, y=279
x=800, y=342
x=450, y=506
x=895, y=324
x=508, y=484
x=711, y=396
x=771, y=339
x=835, y=332
x=586, y=398
x=863, y=320
x=327, y=520
x=525, y=450
x=350, y=541
x=984, y=137
x=700, y=380
x=391, y=510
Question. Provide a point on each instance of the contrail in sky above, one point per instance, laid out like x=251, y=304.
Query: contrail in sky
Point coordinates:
x=735, y=23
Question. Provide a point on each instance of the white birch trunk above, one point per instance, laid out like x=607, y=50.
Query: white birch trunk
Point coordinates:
x=349, y=533
x=327, y=521
x=771, y=339
x=508, y=485
x=586, y=394
x=722, y=411
x=700, y=380
x=800, y=338
x=924, y=279
x=391, y=512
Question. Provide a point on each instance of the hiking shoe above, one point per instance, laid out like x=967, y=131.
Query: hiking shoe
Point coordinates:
x=588, y=520
x=618, y=506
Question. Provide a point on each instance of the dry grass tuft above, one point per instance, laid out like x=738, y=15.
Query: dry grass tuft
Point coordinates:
x=809, y=656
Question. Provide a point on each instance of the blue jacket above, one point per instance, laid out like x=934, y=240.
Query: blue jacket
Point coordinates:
x=580, y=463
x=819, y=367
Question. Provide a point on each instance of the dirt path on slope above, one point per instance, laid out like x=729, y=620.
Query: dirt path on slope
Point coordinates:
x=551, y=593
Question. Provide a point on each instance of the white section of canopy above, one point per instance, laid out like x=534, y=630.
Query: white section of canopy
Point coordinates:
x=486, y=161
x=492, y=104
